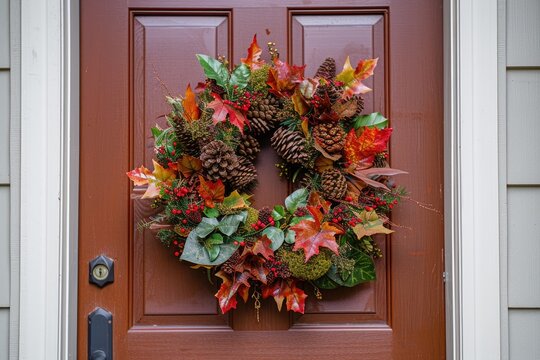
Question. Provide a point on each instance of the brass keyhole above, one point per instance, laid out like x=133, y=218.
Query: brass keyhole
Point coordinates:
x=100, y=272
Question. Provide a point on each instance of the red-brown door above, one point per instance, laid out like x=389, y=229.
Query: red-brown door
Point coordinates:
x=133, y=52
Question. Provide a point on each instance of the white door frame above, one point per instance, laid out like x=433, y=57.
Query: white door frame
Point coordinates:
x=49, y=179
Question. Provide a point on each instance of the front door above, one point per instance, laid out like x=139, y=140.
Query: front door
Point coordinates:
x=133, y=53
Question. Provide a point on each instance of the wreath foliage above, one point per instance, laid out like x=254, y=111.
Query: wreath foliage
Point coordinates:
x=337, y=159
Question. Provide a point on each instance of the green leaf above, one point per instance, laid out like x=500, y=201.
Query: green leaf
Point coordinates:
x=296, y=200
x=230, y=223
x=364, y=270
x=213, y=252
x=205, y=227
x=295, y=220
x=156, y=131
x=275, y=235
x=211, y=212
x=278, y=213
x=374, y=119
x=213, y=69
x=196, y=253
x=324, y=282
x=290, y=236
x=214, y=239
x=240, y=76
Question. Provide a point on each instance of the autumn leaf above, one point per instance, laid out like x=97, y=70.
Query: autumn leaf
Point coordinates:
x=283, y=78
x=211, y=192
x=352, y=78
x=324, y=153
x=322, y=163
x=139, y=176
x=371, y=142
x=286, y=290
x=275, y=290
x=371, y=224
x=253, y=59
x=365, y=175
x=189, y=103
x=221, y=110
x=236, y=201
x=312, y=234
x=345, y=109
x=161, y=174
x=308, y=87
x=316, y=200
x=189, y=165
x=229, y=288
x=262, y=247
x=299, y=103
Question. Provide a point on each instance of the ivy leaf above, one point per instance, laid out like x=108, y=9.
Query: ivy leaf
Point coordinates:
x=371, y=142
x=290, y=236
x=211, y=192
x=263, y=246
x=352, y=78
x=371, y=224
x=313, y=234
x=240, y=76
x=296, y=200
x=253, y=59
x=230, y=223
x=189, y=103
x=189, y=165
x=230, y=286
x=364, y=270
x=278, y=213
x=276, y=235
x=205, y=227
x=214, y=69
x=371, y=120
x=196, y=253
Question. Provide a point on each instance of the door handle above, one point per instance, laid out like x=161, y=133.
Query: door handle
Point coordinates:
x=98, y=355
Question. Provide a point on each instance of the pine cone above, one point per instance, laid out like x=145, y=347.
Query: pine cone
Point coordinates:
x=265, y=214
x=327, y=70
x=307, y=180
x=230, y=265
x=359, y=105
x=330, y=136
x=290, y=145
x=380, y=160
x=334, y=184
x=219, y=160
x=333, y=91
x=262, y=113
x=187, y=143
x=246, y=174
x=248, y=147
x=214, y=87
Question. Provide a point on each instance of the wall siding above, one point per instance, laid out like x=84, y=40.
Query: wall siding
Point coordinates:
x=520, y=151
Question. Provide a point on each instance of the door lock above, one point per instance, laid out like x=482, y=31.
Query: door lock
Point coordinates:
x=100, y=334
x=101, y=271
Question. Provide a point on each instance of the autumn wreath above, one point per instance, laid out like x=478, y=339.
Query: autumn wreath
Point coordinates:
x=336, y=158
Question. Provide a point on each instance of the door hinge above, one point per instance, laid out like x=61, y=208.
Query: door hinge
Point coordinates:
x=444, y=276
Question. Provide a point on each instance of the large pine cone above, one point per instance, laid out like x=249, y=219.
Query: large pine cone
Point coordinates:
x=333, y=91
x=290, y=145
x=262, y=114
x=187, y=143
x=248, y=147
x=327, y=70
x=245, y=176
x=219, y=160
x=330, y=136
x=334, y=184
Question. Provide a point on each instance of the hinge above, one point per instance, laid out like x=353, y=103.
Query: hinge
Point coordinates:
x=444, y=276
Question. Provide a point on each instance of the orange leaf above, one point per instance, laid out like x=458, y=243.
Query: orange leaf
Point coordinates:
x=300, y=104
x=315, y=199
x=283, y=78
x=276, y=290
x=189, y=165
x=191, y=110
x=211, y=192
x=227, y=292
x=296, y=297
x=371, y=142
x=314, y=234
x=253, y=59
x=161, y=174
x=352, y=78
x=262, y=247
x=139, y=176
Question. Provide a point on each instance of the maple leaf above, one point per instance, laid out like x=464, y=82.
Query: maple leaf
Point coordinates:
x=221, y=110
x=211, y=192
x=236, y=201
x=312, y=234
x=283, y=78
x=189, y=103
x=316, y=200
x=253, y=59
x=229, y=288
x=286, y=290
x=189, y=165
x=139, y=176
x=263, y=247
x=371, y=142
x=352, y=78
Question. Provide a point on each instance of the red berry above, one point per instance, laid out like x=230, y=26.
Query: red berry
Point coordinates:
x=177, y=253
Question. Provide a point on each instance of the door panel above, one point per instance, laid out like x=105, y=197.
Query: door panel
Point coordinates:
x=135, y=53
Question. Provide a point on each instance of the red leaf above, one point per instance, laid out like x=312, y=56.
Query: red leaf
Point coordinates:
x=229, y=288
x=275, y=290
x=312, y=234
x=286, y=289
x=253, y=59
x=262, y=247
x=221, y=110
x=283, y=78
x=371, y=142
x=316, y=200
x=191, y=109
x=211, y=192
x=140, y=176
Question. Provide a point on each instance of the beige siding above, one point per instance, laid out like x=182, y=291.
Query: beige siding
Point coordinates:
x=524, y=334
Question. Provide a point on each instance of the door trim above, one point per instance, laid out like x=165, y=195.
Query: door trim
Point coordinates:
x=49, y=209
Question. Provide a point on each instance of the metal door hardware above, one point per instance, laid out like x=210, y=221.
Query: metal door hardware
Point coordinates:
x=101, y=271
x=100, y=335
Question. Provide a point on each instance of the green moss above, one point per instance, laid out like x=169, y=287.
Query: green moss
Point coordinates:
x=258, y=80
x=252, y=217
x=316, y=267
